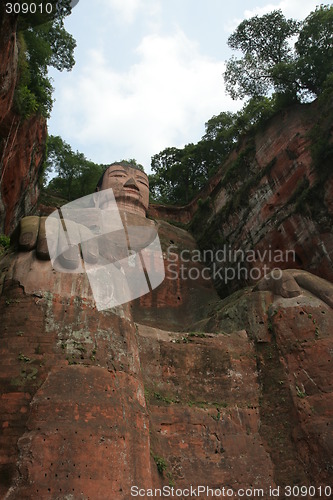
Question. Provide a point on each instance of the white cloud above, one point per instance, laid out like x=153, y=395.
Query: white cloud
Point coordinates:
x=125, y=9
x=296, y=9
x=162, y=100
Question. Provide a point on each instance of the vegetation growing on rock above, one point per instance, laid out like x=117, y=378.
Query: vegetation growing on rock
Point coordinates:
x=41, y=45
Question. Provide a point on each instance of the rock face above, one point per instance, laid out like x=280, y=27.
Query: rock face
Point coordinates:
x=187, y=290
x=70, y=385
x=238, y=393
x=292, y=340
x=22, y=142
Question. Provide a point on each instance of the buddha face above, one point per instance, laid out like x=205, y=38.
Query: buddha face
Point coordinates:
x=130, y=187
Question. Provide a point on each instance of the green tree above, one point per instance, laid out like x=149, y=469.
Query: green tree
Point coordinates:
x=254, y=113
x=220, y=137
x=264, y=42
x=272, y=74
x=270, y=64
x=163, y=182
x=34, y=13
x=314, y=49
x=76, y=176
x=41, y=46
x=62, y=160
x=179, y=174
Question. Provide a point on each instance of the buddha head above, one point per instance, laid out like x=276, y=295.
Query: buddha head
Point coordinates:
x=130, y=186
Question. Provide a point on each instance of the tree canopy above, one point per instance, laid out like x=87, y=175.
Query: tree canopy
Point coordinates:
x=76, y=176
x=270, y=63
x=314, y=49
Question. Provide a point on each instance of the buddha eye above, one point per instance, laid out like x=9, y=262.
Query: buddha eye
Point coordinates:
x=141, y=181
x=117, y=175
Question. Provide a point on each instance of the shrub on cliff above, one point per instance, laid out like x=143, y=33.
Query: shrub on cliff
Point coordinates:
x=4, y=243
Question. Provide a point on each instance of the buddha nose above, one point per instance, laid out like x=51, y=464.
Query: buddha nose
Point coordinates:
x=131, y=183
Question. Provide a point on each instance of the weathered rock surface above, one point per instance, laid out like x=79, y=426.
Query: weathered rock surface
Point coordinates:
x=8, y=61
x=187, y=290
x=22, y=159
x=203, y=398
x=293, y=344
x=73, y=417
x=94, y=403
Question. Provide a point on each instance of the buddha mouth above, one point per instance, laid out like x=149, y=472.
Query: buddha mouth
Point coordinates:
x=132, y=190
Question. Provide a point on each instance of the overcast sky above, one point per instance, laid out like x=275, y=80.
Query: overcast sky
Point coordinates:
x=148, y=73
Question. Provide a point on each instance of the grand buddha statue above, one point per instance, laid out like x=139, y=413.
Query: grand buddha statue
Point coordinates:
x=78, y=425
x=105, y=235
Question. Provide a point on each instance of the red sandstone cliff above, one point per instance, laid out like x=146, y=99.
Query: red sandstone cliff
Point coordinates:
x=22, y=142
x=93, y=403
